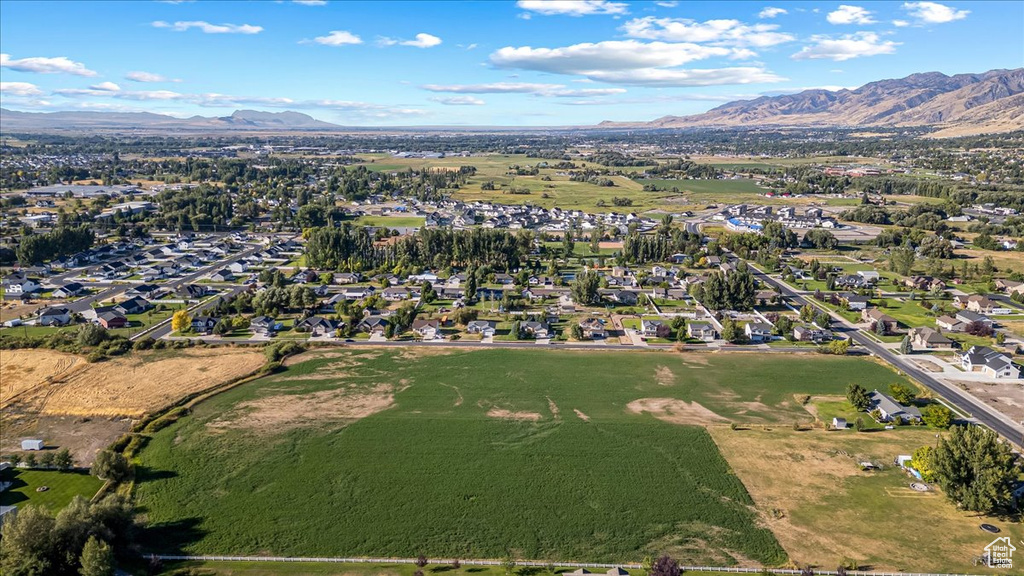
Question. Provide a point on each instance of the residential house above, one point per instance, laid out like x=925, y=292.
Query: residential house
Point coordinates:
x=536, y=329
x=927, y=283
x=192, y=291
x=985, y=305
x=357, y=292
x=970, y=317
x=396, y=293
x=950, y=324
x=19, y=284
x=701, y=331
x=68, y=290
x=758, y=331
x=1010, y=286
x=988, y=361
x=222, y=275
x=485, y=328
x=239, y=266
x=855, y=302
x=875, y=316
x=890, y=409
x=318, y=326
x=112, y=319
x=624, y=297
x=427, y=329
x=263, y=325
x=925, y=338
x=53, y=316
x=203, y=324
x=373, y=324
x=593, y=328
x=347, y=277
x=806, y=333
x=654, y=329
x=136, y=305
x=148, y=291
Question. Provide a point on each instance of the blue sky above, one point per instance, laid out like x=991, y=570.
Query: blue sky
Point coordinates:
x=532, y=62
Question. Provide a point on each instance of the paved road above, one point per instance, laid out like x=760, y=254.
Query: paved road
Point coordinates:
x=995, y=420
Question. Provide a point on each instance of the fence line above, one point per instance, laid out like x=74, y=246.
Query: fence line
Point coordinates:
x=443, y=561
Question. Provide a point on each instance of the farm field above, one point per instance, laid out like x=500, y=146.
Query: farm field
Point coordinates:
x=62, y=487
x=561, y=455
x=329, y=569
x=84, y=407
x=809, y=489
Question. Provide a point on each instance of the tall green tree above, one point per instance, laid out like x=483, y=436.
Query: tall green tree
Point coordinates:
x=975, y=469
x=584, y=288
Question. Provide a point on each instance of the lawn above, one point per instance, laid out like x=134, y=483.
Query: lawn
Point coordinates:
x=391, y=221
x=63, y=486
x=476, y=453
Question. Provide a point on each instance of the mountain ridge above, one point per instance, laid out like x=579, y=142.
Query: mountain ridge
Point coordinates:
x=989, y=101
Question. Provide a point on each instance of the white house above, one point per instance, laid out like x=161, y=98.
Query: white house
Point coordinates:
x=988, y=361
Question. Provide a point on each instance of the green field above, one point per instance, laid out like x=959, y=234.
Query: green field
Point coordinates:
x=309, y=461
x=63, y=486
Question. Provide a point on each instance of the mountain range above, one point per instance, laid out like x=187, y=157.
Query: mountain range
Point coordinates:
x=953, y=105
x=14, y=121
x=956, y=105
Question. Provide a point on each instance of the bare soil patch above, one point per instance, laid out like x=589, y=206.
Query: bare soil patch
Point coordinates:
x=664, y=376
x=553, y=408
x=512, y=415
x=675, y=411
x=1006, y=396
x=282, y=412
x=581, y=415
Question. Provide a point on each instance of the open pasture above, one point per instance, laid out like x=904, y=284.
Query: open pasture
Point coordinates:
x=562, y=455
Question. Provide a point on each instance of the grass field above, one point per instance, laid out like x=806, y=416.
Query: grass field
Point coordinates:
x=390, y=221
x=329, y=569
x=823, y=508
x=562, y=455
x=63, y=486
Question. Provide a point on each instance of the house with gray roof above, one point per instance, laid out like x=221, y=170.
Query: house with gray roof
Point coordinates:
x=988, y=361
x=890, y=409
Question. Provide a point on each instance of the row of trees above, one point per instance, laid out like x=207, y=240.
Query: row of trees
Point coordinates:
x=350, y=248
x=734, y=291
x=61, y=241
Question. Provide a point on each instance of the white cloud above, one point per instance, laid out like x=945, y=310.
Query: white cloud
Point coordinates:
x=422, y=40
x=207, y=28
x=608, y=55
x=42, y=65
x=847, y=14
x=631, y=62
x=20, y=89
x=338, y=38
x=719, y=32
x=846, y=47
x=459, y=101
x=106, y=87
x=687, y=77
x=148, y=77
x=574, y=7
x=900, y=23
x=668, y=4
x=557, y=90
x=311, y=2
x=771, y=12
x=933, y=12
